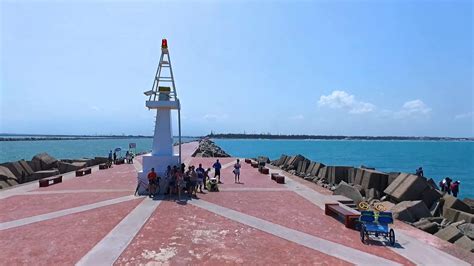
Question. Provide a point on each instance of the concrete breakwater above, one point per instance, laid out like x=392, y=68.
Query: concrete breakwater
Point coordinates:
x=412, y=199
x=42, y=165
x=207, y=148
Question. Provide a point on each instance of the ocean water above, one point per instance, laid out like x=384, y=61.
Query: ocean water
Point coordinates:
x=70, y=149
x=438, y=158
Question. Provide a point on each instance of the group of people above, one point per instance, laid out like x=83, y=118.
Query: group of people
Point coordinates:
x=179, y=179
x=113, y=157
x=446, y=185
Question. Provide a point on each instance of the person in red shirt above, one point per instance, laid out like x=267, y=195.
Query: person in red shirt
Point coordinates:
x=152, y=181
x=455, y=188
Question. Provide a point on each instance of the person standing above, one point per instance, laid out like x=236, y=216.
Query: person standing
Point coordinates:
x=127, y=157
x=442, y=185
x=455, y=188
x=419, y=172
x=206, y=177
x=217, y=171
x=448, y=185
x=109, y=159
x=180, y=184
x=115, y=157
x=237, y=172
x=193, y=181
x=200, y=177
x=152, y=183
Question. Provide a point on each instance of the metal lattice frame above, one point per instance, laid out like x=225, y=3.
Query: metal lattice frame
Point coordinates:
x=169, y=80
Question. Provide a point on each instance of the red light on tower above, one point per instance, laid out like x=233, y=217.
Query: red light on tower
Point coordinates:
x=164, y=43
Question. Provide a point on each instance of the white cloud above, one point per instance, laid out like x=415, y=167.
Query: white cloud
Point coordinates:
x=413, y=108
x=462, y=116
x=344, y=100
x=297, y=117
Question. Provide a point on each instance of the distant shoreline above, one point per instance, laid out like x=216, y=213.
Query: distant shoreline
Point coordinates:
x=24, y=137
x=326, y=137
x=33, y=137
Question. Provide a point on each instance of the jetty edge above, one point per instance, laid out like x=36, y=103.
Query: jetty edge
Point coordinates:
x=260, y=221
x=414, y=200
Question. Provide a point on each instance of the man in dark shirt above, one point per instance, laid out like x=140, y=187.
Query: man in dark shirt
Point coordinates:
x=217, y=170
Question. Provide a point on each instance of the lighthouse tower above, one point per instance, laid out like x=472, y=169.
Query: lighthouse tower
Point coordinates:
x=162, y=98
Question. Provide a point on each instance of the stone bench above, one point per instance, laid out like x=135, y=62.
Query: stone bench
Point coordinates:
x=280, y=179
x=46, y=182
x=82, y=172
x=347, y=216
x=264, y=171
x=273, y=176
x=103, y=166
x=254, y=164
x=248, y=161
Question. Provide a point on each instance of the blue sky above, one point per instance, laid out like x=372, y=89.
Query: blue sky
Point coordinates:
x=289, y=67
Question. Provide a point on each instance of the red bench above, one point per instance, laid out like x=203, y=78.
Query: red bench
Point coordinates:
x=82, y=172
x=103, y=166
x=273, y=175
x=248, y=161
x=45, y=182
x=254, y=164
x=280, y=179
x=348, y=217
x=264, y=171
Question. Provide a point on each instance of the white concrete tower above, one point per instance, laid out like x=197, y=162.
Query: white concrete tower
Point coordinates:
x=163, y=98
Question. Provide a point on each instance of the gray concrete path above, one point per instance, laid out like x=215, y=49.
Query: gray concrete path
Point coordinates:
x=56, y=214
x=336, y=250
x=107, y=251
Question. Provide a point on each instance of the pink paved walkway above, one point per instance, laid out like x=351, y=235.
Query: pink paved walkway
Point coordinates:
x=250, y=223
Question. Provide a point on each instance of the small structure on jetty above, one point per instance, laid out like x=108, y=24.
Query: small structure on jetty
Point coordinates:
x=162, y=98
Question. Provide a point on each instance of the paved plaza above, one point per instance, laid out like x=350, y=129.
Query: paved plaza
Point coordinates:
x=96, y=220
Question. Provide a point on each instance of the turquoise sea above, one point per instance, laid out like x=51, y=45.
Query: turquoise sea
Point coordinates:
x=438, y=158
x=71, y=149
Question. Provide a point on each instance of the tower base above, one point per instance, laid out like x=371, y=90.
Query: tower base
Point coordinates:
x=160, y=163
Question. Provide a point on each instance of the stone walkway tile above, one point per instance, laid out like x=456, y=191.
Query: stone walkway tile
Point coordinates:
x=336, y=250
x=56, y=214
x=182, y=234
x=60, y=241
x=112, y=245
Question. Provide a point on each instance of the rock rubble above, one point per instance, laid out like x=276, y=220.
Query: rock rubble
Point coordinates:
x=412, y=199
x=41, y=165
x=207, y=148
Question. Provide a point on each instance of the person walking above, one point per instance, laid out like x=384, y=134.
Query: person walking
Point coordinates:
x=237, y=172
x=217, y=171
x=455, y=188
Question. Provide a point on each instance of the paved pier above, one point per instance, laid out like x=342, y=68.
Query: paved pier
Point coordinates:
x=96, y=220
